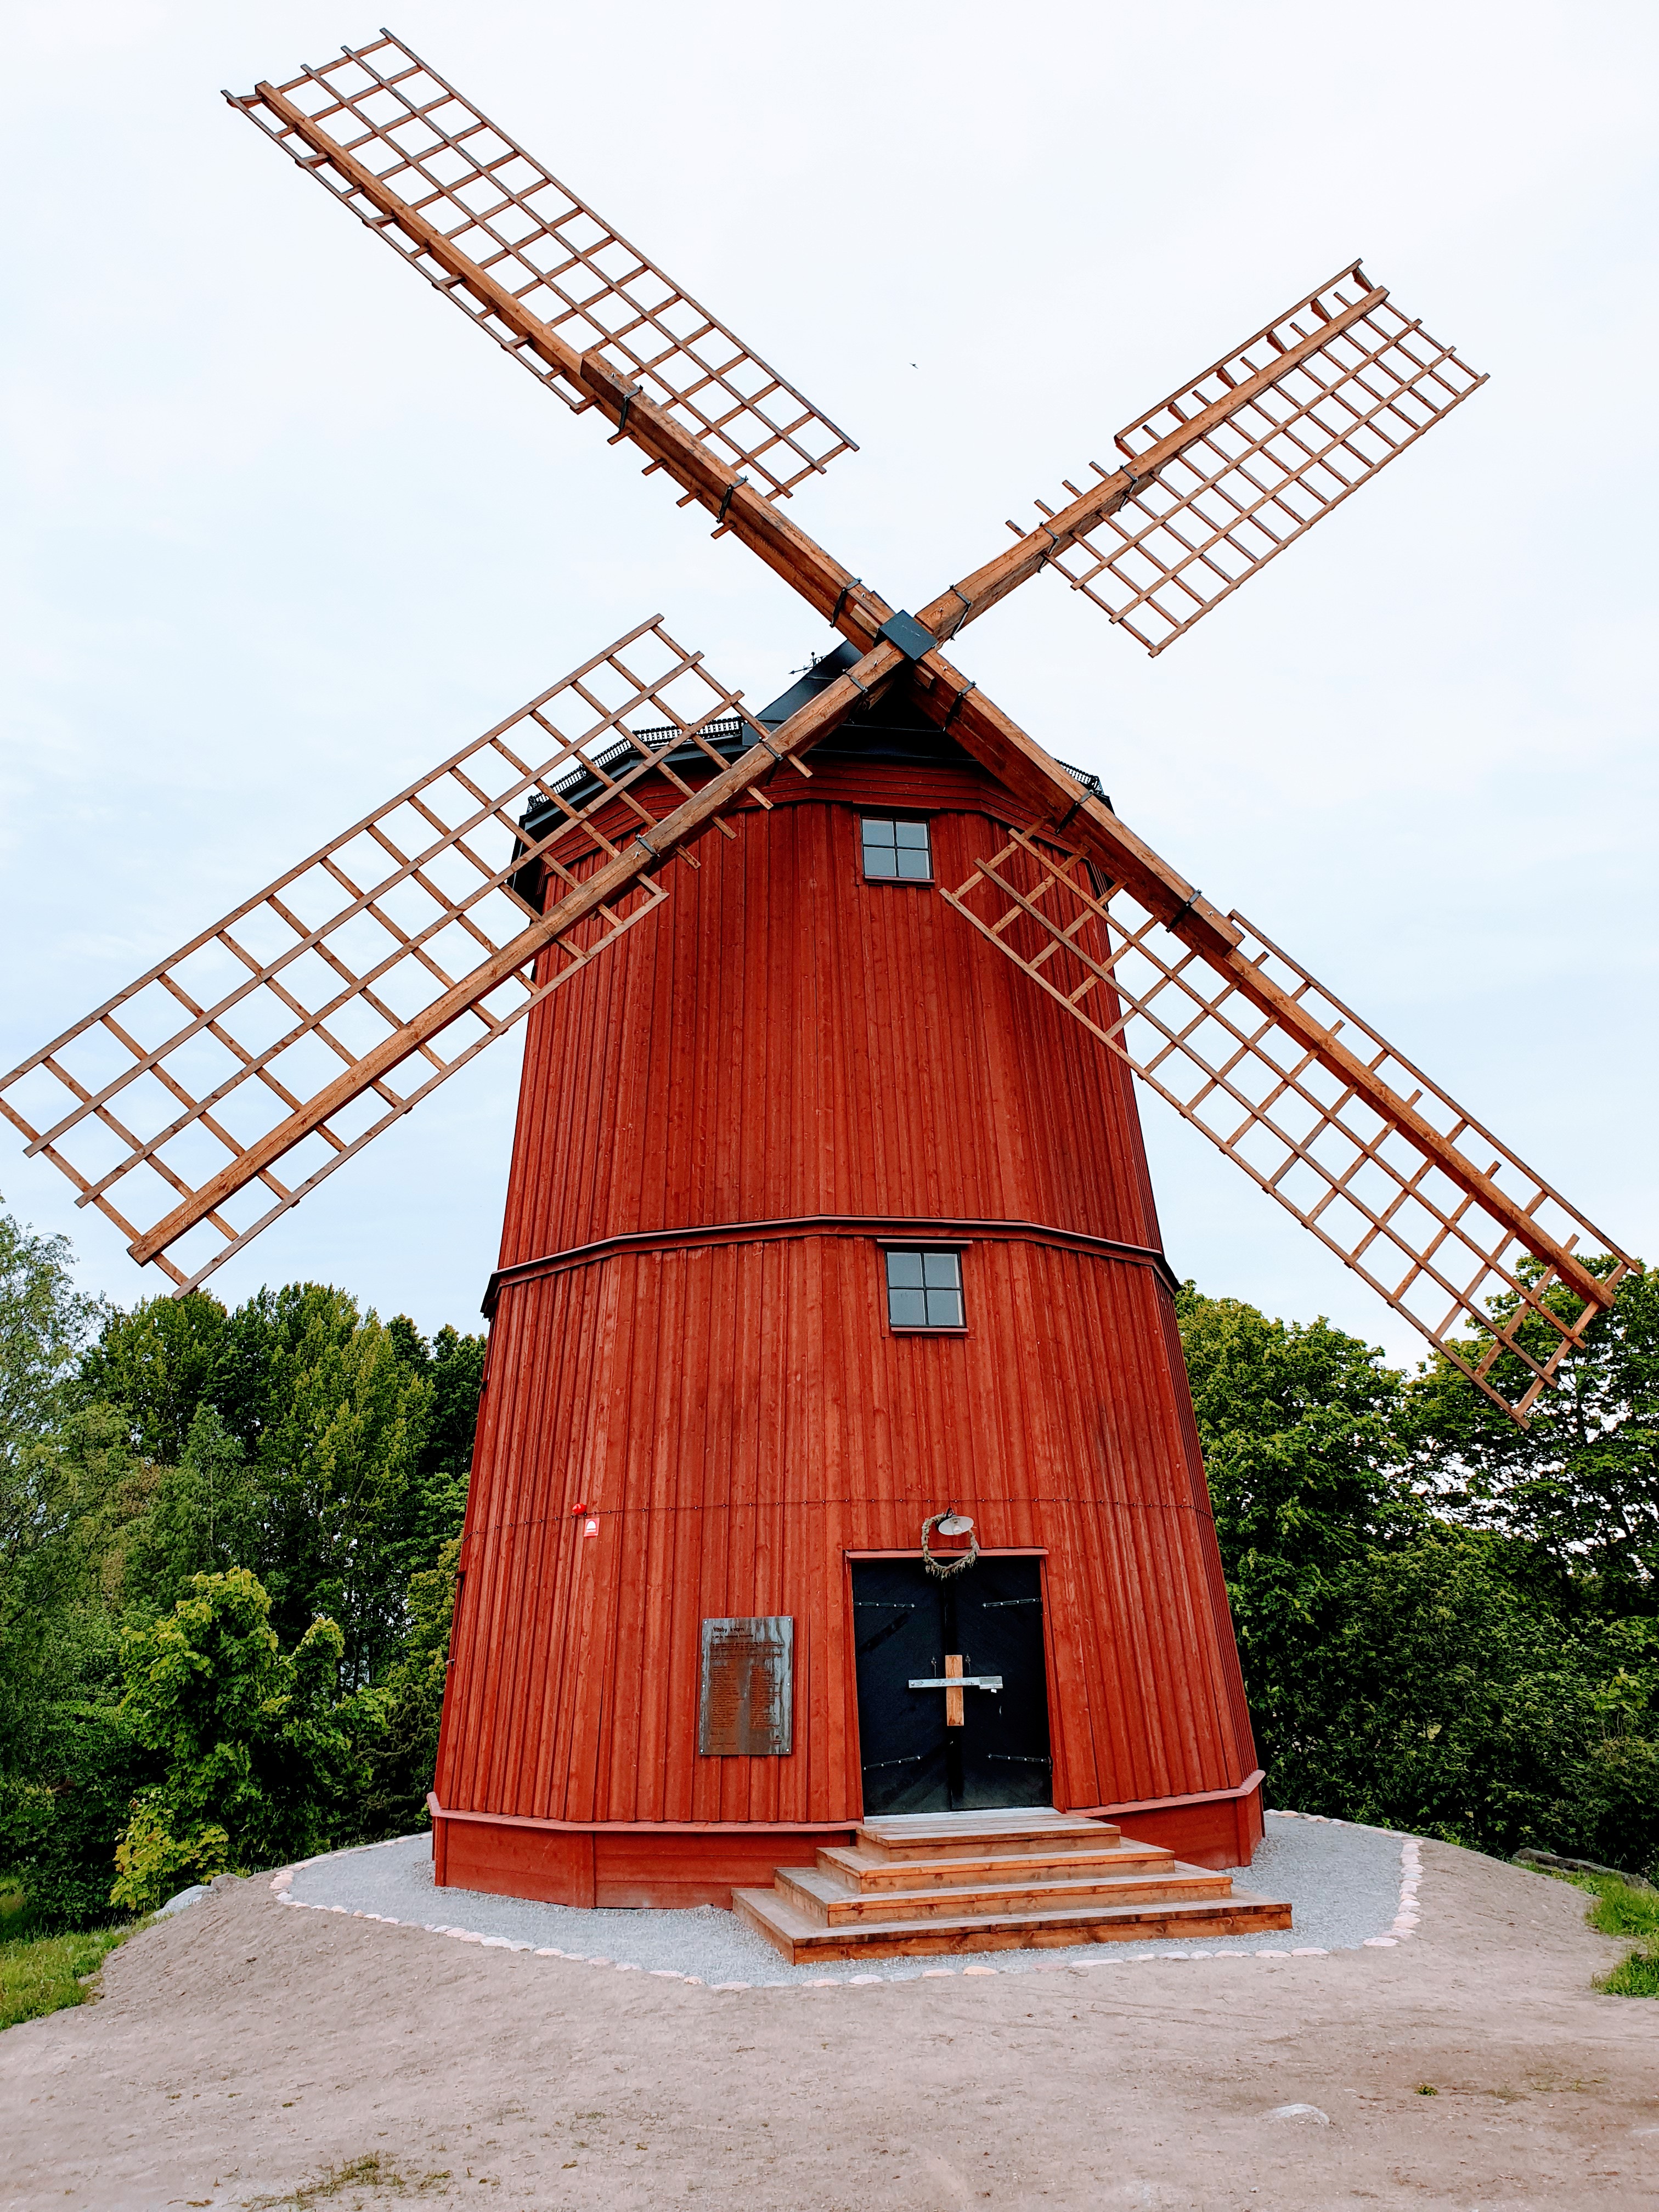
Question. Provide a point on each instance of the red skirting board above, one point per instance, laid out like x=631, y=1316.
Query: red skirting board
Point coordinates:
x=668, y=1866
x=618, y=1865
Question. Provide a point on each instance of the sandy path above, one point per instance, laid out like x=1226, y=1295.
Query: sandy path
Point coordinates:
x=242, y=2050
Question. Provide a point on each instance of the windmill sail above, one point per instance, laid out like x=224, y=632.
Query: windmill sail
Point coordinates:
x=1226, y=473
x=504, y=214
x=399, y=949
x=1379, y=1163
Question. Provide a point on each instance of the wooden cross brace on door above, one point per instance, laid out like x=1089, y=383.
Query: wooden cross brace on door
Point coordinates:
x=953, y=1682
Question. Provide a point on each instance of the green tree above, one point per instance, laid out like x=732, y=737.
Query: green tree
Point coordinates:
x=337, y=1446
x=452, y=1365
x=404, y=1756
x=296, y=1436
x=1447, y=1701
x=1439, y=1616
x=258, y=1755
x=1307, y=1473
x=457, y=1375
x=160, y=1365
x=203, y=1516
x=1580, y=1482
x=44, y=1321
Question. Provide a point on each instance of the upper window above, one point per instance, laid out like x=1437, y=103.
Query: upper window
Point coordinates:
x=924, y=1290
x=897, y=851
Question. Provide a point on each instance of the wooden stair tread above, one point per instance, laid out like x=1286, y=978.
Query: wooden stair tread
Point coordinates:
x=869, y=1872
x=828, y=1900
x=947, y=1835
x=798, y=1938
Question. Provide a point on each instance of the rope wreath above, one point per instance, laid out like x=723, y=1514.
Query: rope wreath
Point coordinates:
x=943, y=1569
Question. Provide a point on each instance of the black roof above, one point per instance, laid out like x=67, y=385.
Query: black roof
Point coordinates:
x=888, y=729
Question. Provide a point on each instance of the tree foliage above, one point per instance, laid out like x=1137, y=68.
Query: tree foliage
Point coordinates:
x=1299, y=1425
x=258, y=1509
x=1445, y=1622
x=43, y=1322
x=1580, y=1482
x=320, y=1447
x=255, y=1753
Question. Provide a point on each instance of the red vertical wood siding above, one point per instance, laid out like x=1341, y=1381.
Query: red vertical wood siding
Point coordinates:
x=788, y=1039
x=785, y=1041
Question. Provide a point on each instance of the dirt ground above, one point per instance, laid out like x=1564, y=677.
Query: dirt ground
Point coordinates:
x=245, y=2053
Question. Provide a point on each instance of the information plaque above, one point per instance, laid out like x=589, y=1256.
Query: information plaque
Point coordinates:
x=747, y=1709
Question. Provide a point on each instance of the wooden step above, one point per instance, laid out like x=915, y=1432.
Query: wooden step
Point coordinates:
x=871, y=1871
x=819, y=1897
x=953, y=1835
x=802, y=1941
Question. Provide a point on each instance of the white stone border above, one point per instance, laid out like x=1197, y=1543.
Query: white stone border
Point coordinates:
x=1405, y=1918
x=1404, y=1927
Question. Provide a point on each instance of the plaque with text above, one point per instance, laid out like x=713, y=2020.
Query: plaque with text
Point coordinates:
x=748, y=1704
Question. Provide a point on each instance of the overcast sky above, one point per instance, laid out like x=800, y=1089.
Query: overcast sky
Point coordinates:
x=283, y=530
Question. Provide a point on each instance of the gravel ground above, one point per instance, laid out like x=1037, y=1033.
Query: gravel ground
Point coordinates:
x=243, y=2053
x=1343, y=1883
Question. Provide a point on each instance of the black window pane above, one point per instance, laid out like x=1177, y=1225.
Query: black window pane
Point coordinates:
x=904, y=1269
x=906, y=1308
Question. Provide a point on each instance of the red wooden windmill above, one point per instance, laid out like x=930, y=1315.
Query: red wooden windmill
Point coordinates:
x=827, y=1212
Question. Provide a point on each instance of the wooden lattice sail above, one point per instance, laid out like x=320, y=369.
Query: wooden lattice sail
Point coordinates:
x=501, y=213
x=322, y=1009
x=1302, y=1109
x=1270, y=439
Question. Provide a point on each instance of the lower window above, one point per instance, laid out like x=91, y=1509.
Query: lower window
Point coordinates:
x=924, y=1290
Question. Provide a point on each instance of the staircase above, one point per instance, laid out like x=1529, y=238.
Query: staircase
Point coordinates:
x=993, y=1882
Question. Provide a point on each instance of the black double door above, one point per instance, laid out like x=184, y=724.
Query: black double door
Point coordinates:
x=907, y=1624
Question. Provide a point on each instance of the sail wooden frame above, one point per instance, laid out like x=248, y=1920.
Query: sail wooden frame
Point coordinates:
x=1200, y=522
x=509, y=216
x=1435, y=1249
x=407, y=929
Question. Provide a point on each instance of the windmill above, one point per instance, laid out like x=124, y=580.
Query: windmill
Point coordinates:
x=828, y=1213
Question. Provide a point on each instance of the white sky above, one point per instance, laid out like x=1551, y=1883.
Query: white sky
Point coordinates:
x=283, y=530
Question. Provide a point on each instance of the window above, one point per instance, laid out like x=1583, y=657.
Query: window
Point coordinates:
x=897, y=852
x=924, y=1290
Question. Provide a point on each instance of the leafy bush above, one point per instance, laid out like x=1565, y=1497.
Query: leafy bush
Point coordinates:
x=258, y=1757
x=59, y=1827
